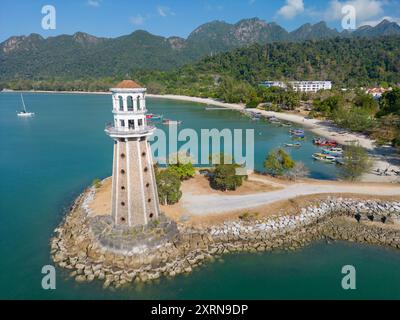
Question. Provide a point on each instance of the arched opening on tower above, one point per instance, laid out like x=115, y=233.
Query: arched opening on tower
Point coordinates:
x=121, y=103
x=138, y=103
x=130, y=103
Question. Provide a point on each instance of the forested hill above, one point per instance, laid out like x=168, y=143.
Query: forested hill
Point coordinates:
x=346, y=62
x=80, y=56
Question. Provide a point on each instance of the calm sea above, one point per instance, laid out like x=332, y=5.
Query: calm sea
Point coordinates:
x=46, y=161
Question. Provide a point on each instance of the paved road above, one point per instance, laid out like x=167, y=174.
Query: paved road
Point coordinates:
x=206, y=204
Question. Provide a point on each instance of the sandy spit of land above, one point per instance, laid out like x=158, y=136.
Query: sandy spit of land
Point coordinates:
x=261, y=195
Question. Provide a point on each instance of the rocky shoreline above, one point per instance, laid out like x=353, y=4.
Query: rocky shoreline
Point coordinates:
x=82, y=246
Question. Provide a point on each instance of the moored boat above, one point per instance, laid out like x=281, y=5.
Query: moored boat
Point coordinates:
x=324, y=143
x=151, y=116
x=296, y=131
x=171, y=122
x=24, y=113
x=324, y=157
x=335, y=151
x=293, y=145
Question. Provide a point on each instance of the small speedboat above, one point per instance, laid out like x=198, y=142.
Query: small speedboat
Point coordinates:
x=293, y=145
x=335, y=151
x=325, y=143
x=296, y=132
x=24, y=113
x=324, y=157
x=298, y=137
x=169, y=122
x=151, y=116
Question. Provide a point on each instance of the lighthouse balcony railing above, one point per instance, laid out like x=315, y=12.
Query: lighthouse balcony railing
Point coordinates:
x=122, y=131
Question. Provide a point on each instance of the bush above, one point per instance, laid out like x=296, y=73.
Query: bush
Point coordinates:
x=168, y=186
x=278, y=162
x=96, y=183
x=224, y=177
x=356, y=162
x=184, y=171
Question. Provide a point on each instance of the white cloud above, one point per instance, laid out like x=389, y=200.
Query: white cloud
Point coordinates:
x=164, y=11
x=365, y=9
x=94, y=3
x=373, y=23
x=291, y=9
x=137, y=20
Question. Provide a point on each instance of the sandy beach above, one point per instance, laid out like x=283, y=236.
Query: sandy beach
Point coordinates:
x=383, y=158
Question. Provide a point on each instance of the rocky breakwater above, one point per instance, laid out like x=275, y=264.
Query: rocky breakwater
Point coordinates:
x=91, y=249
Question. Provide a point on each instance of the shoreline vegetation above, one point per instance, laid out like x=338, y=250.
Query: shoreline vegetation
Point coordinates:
x=381, y=157
x=84, y=244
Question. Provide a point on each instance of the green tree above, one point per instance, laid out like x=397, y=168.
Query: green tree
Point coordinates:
x=278, y=162
x=366, y=103
x=355, y=119
x=168, y=186
x=390, y=103
x=224, y=177
x=356, y=162
x=184, y=171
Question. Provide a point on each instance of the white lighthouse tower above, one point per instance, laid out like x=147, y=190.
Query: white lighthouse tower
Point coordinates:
x=134, y=189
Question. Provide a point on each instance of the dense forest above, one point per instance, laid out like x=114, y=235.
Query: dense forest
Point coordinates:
x=83, y=56
x=346, y=62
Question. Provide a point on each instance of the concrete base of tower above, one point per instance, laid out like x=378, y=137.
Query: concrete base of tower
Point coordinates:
x=134, y=189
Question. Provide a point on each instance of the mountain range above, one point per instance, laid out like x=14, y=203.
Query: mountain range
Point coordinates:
x=81, y=55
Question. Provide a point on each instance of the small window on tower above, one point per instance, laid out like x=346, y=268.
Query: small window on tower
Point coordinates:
x=149, y=200
x=122, y=122
x=122, y=171
x=151, y=215
x=139, y=107
x=147, y=185
x=122, y=203
x=122, y=219
x=121, y=103
x=130, y=103
x=143, y=154
x=146, y=169
x=122, y=155
x=140, y=122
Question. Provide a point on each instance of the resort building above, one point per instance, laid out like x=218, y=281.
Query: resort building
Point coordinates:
x=134, y=189
x=302, y=86
x=270, y=84
x=377, y=92
x=310, y=86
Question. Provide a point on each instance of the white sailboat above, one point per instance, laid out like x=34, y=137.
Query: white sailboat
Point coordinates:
x=24, y=113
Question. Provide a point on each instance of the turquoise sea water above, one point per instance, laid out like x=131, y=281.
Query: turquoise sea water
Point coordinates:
x=46, y=161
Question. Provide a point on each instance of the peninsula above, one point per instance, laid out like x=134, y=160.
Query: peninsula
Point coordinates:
x=117, y=232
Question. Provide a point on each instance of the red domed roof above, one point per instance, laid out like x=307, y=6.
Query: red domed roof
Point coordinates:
x=128, y=84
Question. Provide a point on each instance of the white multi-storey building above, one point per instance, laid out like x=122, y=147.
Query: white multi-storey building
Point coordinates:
x=310, y=86
x=302, y=86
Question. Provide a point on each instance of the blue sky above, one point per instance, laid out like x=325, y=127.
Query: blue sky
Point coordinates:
x=111, y=18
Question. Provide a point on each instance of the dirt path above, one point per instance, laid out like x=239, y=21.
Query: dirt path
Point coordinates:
x=211, y=204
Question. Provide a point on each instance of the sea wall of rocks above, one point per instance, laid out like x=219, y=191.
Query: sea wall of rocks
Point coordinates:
x=77, y=248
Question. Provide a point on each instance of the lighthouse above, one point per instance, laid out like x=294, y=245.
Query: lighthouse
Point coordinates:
x=134, y=189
